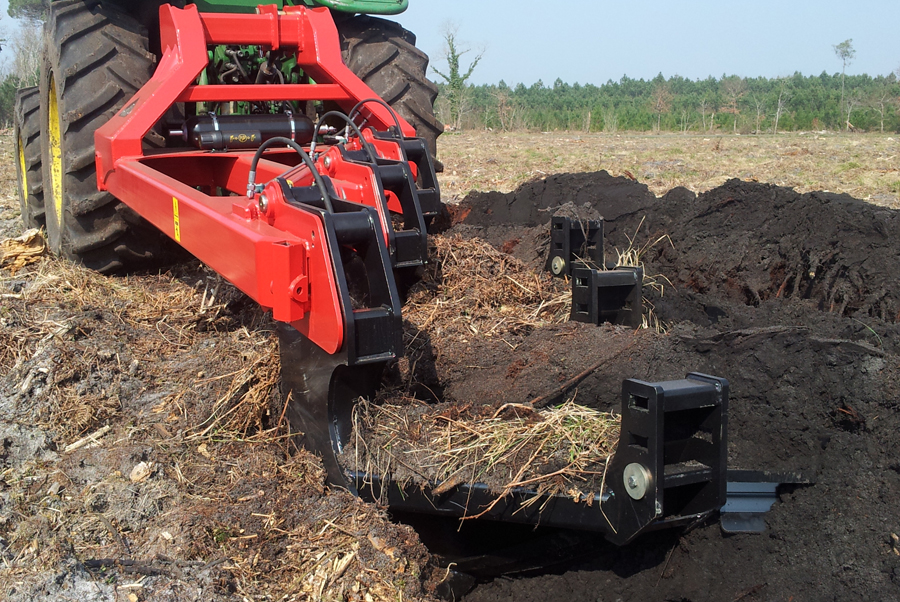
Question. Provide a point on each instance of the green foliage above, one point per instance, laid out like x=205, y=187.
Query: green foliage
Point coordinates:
x=27, y=9
x=729, y=103
x=8, y=98
x=454, y=79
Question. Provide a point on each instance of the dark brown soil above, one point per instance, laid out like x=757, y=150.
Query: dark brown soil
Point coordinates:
x=793, y=298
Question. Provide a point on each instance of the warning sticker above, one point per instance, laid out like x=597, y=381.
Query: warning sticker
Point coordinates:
x=176, y=219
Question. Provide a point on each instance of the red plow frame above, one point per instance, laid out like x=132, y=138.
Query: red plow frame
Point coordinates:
x=199, y=198
x=323, y=241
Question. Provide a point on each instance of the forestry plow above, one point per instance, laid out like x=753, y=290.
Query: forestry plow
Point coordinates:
x=314, y=197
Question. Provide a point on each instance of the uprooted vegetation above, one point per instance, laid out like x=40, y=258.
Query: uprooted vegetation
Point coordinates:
x=473, y=287
x=560, y=450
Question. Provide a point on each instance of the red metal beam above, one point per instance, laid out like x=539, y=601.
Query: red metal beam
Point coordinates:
x=279, y=259
x=261, y=257
x=262, y=92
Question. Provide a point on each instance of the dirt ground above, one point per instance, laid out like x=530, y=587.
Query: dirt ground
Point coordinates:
x=793, y=299
x=144, y=454
x=194, y=493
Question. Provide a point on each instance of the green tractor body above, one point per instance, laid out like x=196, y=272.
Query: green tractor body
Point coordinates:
x=35, y=8
x=367, y=7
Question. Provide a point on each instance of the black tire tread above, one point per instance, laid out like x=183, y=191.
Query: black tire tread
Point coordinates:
x=98, y=58
x=27, y=125
x=384, y=56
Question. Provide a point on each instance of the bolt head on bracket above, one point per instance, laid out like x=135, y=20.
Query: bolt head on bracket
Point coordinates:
x=637, y=480
x=558, y=265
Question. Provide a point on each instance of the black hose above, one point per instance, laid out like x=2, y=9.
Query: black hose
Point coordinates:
x=251, y=183
x=365, y=143
x=359, y=105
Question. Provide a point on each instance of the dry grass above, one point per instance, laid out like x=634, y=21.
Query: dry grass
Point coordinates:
x=227, y=493
x=862, y=165
x=104, y=329
x=286, y=538
x=553, y=450
x=482, y=290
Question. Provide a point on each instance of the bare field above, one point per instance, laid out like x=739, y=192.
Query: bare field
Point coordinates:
x=866, y=166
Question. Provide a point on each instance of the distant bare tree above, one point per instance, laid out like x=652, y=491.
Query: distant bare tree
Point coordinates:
x=26, y=49
x=610, y=120
x=734, y=88
x=760, y=104
x=879, y=102
x=685, y=121
x=704, y=107
x=661, y=99
x=846, y=53
x=455, y=79
x=854, y=99
x=507, y=109
x=781, y=103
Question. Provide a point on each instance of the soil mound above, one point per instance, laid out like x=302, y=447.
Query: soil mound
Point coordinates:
x=794, y=299
x=744, y=241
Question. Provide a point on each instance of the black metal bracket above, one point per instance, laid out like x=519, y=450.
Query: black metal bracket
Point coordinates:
x=428, y=190
x=574, y=243
x=670, y=464
x=607, y=296
x=367, y=288
x=669, y=469
x=751, y=493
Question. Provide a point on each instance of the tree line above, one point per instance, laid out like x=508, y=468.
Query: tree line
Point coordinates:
x=727, y=104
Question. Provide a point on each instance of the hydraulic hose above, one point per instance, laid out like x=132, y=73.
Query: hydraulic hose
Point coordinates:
x=251, y=180
x=355, y=110
x=365, y=144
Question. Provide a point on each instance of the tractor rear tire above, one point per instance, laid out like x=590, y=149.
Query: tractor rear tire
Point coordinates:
x=385, y=57
x=95, y=59
x=28, y=155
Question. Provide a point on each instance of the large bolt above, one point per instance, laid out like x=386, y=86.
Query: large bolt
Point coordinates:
x=327, y=162
x=263, y=203
x=637, y=480
x=558, y=265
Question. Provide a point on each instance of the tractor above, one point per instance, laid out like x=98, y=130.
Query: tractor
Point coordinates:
x=97, y=54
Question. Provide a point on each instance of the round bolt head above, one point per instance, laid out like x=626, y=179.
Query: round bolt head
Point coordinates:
x=637, y=480
x=327, y=162
x=263, y=203
x=558, y=265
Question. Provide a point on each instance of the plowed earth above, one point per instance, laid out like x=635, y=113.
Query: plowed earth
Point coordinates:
x=793, y=298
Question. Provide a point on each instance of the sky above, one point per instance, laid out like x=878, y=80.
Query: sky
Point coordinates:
x=593, y=41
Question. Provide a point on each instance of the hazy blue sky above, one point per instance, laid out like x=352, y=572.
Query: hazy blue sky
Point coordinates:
x=594, y=41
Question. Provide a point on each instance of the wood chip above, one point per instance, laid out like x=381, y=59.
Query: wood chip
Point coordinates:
x=93, y=438
x=141, y=472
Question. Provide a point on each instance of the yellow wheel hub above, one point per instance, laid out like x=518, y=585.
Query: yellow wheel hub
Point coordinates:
x=55, y=143
x=22, y=170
